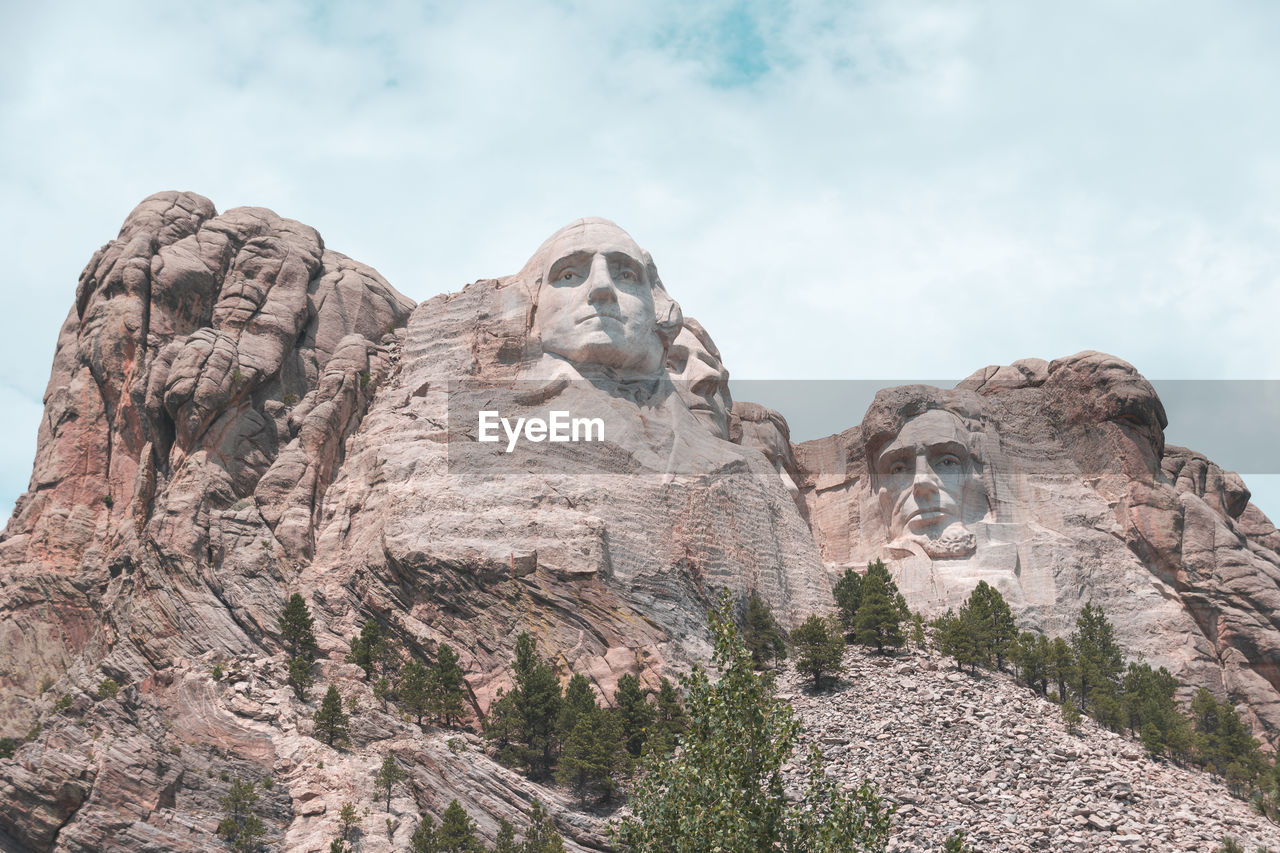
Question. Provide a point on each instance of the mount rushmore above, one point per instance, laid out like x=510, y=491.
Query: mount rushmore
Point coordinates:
x=236, y=413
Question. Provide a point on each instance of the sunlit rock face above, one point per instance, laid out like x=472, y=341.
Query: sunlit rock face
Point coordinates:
x=1052, y=482
x=237, y=413
x=609, y=551
x=204, y=383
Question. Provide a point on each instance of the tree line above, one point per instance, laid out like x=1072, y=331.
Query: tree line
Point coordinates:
x=567, y=735
x=1087, y=672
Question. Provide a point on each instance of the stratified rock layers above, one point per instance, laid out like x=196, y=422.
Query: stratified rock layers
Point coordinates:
x=237, y=413
x=203, y=387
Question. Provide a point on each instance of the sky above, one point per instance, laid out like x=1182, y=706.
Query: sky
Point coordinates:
x=880, y=191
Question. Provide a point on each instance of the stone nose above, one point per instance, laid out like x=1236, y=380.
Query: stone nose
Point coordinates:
x=926, y=481
x=703, y=378
x=600, y=286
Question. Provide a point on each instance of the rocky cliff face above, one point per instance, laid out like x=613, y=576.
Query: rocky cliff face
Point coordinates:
x=236, y=413
x=1052, y=482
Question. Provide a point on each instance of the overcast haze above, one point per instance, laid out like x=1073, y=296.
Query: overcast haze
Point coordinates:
x=847, y=190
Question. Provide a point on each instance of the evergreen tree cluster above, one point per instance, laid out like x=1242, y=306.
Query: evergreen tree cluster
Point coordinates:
x=764, y=638
x=723, y=788
x=240, y=826
x=870, y=608
x=1089, y=673
x=566, y=734
x=457, y=834
x=981, y=634
x=420, y=688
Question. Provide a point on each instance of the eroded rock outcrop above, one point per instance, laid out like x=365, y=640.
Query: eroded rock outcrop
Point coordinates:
x=1052, y=482
x=203, y=387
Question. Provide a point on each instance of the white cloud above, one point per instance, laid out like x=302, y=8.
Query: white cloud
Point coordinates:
x=879, y=190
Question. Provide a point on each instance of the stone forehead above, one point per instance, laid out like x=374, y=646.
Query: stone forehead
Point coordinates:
x=585, y=231
x=694, y=328
x=930, y=427
x=893, y=408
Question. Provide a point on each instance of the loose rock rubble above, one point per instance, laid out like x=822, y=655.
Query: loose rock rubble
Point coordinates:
x=987, y=756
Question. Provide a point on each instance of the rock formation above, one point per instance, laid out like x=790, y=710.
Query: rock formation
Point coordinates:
x=1052, y=482
x=236, y=413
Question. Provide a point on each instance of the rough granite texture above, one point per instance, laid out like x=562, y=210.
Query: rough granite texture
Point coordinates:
x=236, y=413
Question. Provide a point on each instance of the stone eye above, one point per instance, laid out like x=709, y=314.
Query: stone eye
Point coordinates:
x=898, y=468
x=568, y=275
x=948, y=461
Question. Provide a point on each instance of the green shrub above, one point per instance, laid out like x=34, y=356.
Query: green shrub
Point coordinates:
x=108, y=689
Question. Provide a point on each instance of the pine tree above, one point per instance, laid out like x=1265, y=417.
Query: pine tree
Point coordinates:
x=670, y=720
x=988, y=616
x=917, y=636
x=387, y=775
x=724, y=789
x=331, y=720
x=635, y=713
x=249, y=838
x=1070, y=716
x=592, y=753
x=296, y=629
x=425, y=838
x=240, y=825
x=542, y=835
x=382, y=690
x=446, y=682
x=1099, y=661
x=368, y=649
x=300, y=677
x=457, y=833
x=819, y=649
x=537, y=701
x=506, y=839
x=848, y=595
x=348, y=818
x=879, y=619
x=503, y=725
x=957, y=637
x=761, y=633
x=579, y=699
x=1032, y=651
x=1062, y=665
x=415, y=690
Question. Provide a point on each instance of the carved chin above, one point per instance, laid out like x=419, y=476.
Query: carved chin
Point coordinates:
x=955, y=542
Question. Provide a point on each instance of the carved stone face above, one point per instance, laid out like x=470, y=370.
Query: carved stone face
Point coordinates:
x=596, y=300
x=925, y=476
x=701, y=380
